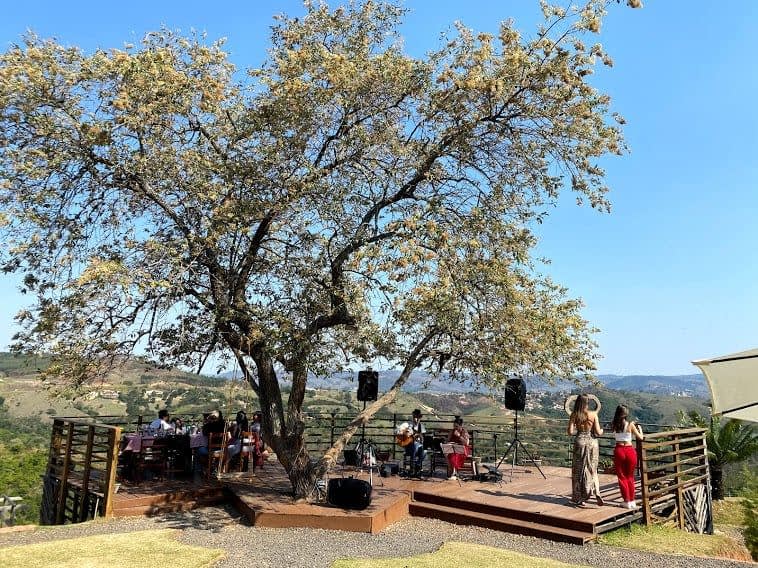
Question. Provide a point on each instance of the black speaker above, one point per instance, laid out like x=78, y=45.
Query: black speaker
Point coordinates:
x=515, y=394
x=368, y=385
x=351, y=457
x=349, y=493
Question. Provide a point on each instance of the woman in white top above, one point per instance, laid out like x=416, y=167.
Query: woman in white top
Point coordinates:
x=624, y=454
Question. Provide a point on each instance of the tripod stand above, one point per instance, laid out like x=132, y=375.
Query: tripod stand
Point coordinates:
x=515, y=445
x=366, y=451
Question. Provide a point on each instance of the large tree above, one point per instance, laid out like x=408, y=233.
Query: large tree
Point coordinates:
x=341, y=204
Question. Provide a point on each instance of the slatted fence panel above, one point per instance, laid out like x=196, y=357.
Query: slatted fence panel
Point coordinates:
x=79, y=479
x=675, y=479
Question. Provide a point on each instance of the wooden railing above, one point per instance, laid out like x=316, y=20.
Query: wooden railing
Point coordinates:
x=675, y=479
x=79, y=479
x=545, y=438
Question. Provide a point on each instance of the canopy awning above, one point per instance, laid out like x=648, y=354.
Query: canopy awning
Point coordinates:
x=733, y=381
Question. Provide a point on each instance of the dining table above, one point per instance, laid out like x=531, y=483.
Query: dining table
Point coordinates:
x=177, y=451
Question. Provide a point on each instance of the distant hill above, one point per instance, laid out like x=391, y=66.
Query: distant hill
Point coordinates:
x=677, y=385
x=674, y=385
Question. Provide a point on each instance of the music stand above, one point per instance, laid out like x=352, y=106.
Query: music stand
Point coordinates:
x=515, y=445
x=451, y=448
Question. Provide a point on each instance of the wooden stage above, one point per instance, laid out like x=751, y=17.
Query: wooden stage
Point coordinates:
x=523, y=503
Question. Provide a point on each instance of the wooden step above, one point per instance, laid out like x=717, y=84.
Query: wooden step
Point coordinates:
x=163, y=508
x=494, y=522
x=129, y=501
x=504, y=512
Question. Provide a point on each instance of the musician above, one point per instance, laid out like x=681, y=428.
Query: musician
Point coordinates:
x=415, y=450
x=458, y=435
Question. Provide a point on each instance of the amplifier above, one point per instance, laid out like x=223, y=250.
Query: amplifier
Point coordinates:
x=349, y=493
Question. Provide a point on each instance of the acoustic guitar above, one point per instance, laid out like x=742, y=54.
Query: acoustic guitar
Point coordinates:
x=404, y=436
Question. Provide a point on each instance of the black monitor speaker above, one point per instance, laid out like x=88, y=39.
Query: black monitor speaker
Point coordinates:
x=349, y=493
x=515, y=394
x=368, y=385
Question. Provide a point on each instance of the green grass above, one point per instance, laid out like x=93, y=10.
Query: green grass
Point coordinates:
x=147, y=548
x=729, y=512
x=457, y=554
x=670, y=540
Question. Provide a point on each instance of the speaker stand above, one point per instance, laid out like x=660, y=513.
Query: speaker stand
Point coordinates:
x=515, y=445
x=362, y=445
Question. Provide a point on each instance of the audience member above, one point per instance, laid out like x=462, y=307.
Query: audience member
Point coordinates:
x=585, y=426
x=624, y=453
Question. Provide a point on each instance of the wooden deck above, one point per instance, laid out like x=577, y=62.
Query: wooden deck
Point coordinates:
x=524, y=503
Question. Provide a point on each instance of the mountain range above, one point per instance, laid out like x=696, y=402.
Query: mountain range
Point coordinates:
x=677, y=385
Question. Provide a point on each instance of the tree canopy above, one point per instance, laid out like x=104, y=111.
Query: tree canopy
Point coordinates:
x=342, y=203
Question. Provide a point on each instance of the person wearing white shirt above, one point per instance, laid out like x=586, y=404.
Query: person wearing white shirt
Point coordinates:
x=161, y=424
x=625, y=431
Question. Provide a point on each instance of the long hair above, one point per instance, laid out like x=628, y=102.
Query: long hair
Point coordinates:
x=580, y=414
x=621, y=415
x=242, y=422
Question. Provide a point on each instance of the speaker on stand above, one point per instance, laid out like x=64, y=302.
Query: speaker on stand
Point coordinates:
x=368, y=386
x=514, y=399
x=368, y=390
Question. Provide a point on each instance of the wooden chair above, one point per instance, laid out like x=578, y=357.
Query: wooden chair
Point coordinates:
x=151, y=457
x=248, y=444
x=178, y=456
x=216, y=453
x=260, y=456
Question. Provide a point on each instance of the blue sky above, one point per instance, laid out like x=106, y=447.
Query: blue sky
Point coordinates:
x=668, y=275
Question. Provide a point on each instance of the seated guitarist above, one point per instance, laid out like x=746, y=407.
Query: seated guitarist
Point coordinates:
x=415, y=450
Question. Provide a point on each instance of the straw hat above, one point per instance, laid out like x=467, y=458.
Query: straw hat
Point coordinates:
x=568, y=406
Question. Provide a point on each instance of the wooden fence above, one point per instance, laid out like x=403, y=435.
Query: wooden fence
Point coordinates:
x=675, y=479
x=79, y=479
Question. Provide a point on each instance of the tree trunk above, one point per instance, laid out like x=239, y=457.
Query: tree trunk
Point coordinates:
x=303, y=480
x=717, y=483
x=294, y=457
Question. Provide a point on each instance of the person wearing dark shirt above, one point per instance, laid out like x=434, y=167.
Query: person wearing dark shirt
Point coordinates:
x=213, y=424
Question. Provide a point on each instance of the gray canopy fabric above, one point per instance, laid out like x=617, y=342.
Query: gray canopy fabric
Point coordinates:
x=733, y=380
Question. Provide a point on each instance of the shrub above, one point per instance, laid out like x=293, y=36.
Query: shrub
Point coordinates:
x=750, y=505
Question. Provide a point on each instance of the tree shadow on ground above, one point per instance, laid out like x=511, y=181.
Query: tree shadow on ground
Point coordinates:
x=213, y=518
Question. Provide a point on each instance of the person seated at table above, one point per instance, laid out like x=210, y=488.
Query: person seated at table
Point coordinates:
x=255, y=426
x=236, y=429
x=160, y=424
x=214, y=424
x=178, y=426
x=260, y=453
x=458, y=435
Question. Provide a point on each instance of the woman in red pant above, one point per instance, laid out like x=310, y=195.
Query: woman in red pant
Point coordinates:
x=624, y=454
x=458, y=435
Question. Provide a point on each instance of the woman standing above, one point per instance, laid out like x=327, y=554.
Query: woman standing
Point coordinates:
x=624, y=454
x=458, y=435
x=585, y=426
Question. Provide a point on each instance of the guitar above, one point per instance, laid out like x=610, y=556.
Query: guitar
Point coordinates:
x=404, y=435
